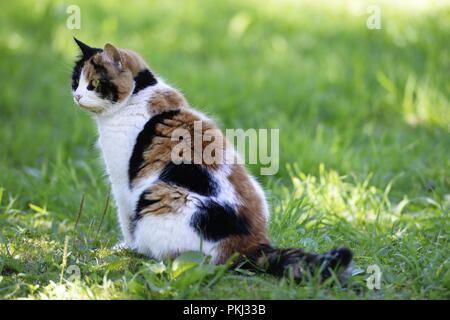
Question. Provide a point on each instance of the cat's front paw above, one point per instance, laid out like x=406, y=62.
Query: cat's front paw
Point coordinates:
x=122, y=245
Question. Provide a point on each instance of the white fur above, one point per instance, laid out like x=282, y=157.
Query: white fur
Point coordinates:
x=89, y=99
x=260, y=192
x=160, y=236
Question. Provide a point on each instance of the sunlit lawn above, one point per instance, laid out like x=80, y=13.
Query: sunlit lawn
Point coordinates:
x=364, y=121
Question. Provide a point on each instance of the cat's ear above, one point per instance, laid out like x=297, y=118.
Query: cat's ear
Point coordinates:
x=86, y=50
x=113, y=54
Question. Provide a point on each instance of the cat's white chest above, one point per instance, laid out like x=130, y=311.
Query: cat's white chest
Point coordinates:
x=116, y=143
x=117, y=138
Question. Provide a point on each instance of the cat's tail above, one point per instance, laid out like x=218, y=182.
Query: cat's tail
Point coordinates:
x=298, y=263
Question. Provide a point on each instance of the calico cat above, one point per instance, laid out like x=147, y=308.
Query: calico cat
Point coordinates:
x=166, y=207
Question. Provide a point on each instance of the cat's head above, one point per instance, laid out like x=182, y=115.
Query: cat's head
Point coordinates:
x=102, y=79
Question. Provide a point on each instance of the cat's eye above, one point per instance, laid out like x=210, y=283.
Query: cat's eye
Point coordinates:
x=95, y=83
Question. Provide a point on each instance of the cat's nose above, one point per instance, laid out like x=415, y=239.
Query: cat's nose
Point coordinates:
x=78, y=97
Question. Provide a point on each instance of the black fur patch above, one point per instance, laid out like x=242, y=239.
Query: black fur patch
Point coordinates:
x=214, y=221
x=143, y=80
x=194, y=177
x=282, y=261
x=106, y=89
x=76, y=72
x=143, y=141
x=86, y=53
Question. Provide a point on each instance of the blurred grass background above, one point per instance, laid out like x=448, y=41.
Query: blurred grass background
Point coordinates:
x=372, y=106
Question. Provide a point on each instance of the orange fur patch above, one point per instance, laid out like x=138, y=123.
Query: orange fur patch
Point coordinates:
x=132, y=61
x=121, y=76
x=252, y=208
x=122, y=79
x=160, y=151
x=163, y=101
x=167, y=199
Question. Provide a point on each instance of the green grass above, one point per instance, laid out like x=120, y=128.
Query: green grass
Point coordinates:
x=364, y=120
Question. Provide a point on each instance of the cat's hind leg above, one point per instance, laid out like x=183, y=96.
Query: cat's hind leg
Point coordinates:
x=162, y=224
